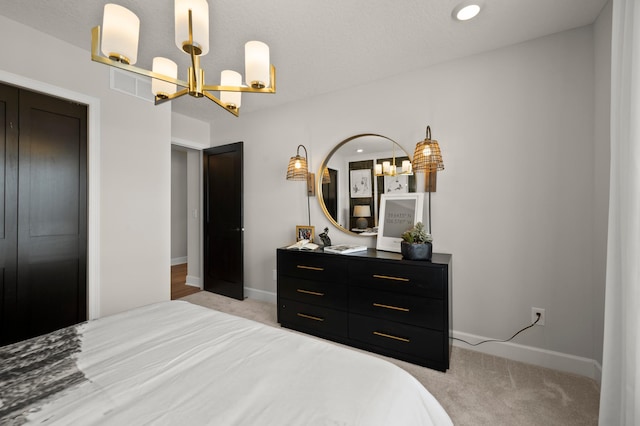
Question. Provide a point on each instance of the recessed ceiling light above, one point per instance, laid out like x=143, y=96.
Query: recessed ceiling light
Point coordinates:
x=359, y=150
x=464, y=12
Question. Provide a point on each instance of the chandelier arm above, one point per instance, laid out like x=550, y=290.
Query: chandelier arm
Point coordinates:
x=161, y=99
x=235, y=111
x=96, y=57
x=195, y=64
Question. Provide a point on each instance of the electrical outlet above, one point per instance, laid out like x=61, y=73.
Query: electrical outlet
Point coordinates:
x=534, y=315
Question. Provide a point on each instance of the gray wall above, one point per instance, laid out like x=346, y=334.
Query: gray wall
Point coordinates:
x=178, y=206
x=515, y=204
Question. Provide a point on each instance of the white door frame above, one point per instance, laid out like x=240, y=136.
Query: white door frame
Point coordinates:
x=93, y=176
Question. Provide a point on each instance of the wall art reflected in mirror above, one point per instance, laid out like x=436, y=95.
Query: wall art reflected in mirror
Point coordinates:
x=355, y=174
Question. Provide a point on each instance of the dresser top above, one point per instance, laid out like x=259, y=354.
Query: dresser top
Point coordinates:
x=371, y=253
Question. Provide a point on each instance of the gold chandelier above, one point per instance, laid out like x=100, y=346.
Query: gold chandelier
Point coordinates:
x=120, y=36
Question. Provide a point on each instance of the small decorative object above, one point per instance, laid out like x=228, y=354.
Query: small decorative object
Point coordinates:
x=416, y=244
x=324, y=237
x=304, y=232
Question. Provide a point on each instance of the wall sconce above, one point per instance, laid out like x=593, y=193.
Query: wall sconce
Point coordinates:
x=362, y=213
x=427, y=158
x=298, y=170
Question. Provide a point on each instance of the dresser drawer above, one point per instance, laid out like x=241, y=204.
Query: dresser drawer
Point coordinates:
x=399, y=277
x=399, y=307
x=417, y=343
x=313, y=319
x=330, y=294
x=312, y=266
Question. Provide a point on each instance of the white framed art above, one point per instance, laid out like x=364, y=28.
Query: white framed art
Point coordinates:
x=360, y=184
x=398, y=213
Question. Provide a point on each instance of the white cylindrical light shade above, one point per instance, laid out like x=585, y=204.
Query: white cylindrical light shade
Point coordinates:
x=256, y=67
x=170, y=69
x=231, y=78
x=120, y=31
x=378, y=169
x=406, y=166
x=386, y=166
x=200, y=21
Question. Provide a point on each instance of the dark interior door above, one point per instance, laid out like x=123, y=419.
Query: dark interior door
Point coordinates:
x=8, y=210
x=223, y=220
x=49, y=289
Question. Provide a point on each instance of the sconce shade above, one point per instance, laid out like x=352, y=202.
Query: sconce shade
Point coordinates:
x=200, y=22
x=167, y=67
x=325, y=176
x=256, y=68
x=120, y=34
x=362, y=211
x=427, y=156
x=231, y=78
x=297, y=169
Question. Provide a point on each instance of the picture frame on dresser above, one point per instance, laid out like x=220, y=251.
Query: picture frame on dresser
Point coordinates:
x=398, y=213
x=304, y=232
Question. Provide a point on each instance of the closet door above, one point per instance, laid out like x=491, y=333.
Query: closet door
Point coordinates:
x=8, y=210
x=52, y=214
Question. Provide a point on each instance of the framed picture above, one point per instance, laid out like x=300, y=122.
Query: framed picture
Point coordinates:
x=304, y=232
x=398, y=184
x=361, y=185
x=398, y=213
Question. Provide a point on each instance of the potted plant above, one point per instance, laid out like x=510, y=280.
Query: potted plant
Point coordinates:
x=416, y=243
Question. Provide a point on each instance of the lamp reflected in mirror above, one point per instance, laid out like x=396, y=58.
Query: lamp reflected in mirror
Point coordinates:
x=362, y=213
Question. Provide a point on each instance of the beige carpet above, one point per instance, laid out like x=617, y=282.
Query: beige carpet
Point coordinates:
x=477, y=389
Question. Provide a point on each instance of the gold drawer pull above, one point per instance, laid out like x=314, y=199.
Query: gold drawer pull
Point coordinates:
x=310, y=317
x=395, y=308
x=312, y=268
x=386, y=277
x=313, y=293
x=389, y=336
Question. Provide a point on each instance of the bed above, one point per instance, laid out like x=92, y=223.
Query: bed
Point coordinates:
x=178, y=363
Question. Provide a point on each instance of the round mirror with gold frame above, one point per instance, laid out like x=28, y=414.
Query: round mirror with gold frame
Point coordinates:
x=355, y=174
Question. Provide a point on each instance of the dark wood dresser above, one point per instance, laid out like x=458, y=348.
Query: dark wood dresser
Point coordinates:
x=372, y=300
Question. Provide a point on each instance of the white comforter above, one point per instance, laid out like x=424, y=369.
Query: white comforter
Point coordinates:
x=175, y=363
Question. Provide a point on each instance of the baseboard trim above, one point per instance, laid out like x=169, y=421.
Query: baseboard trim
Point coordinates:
x=532, y=355
x=179, y=260
x=262, y=295
x=194, y=281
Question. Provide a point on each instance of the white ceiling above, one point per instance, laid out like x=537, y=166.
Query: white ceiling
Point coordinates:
x=316, y=46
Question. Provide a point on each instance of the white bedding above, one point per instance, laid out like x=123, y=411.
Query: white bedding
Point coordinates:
x=175, y=363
